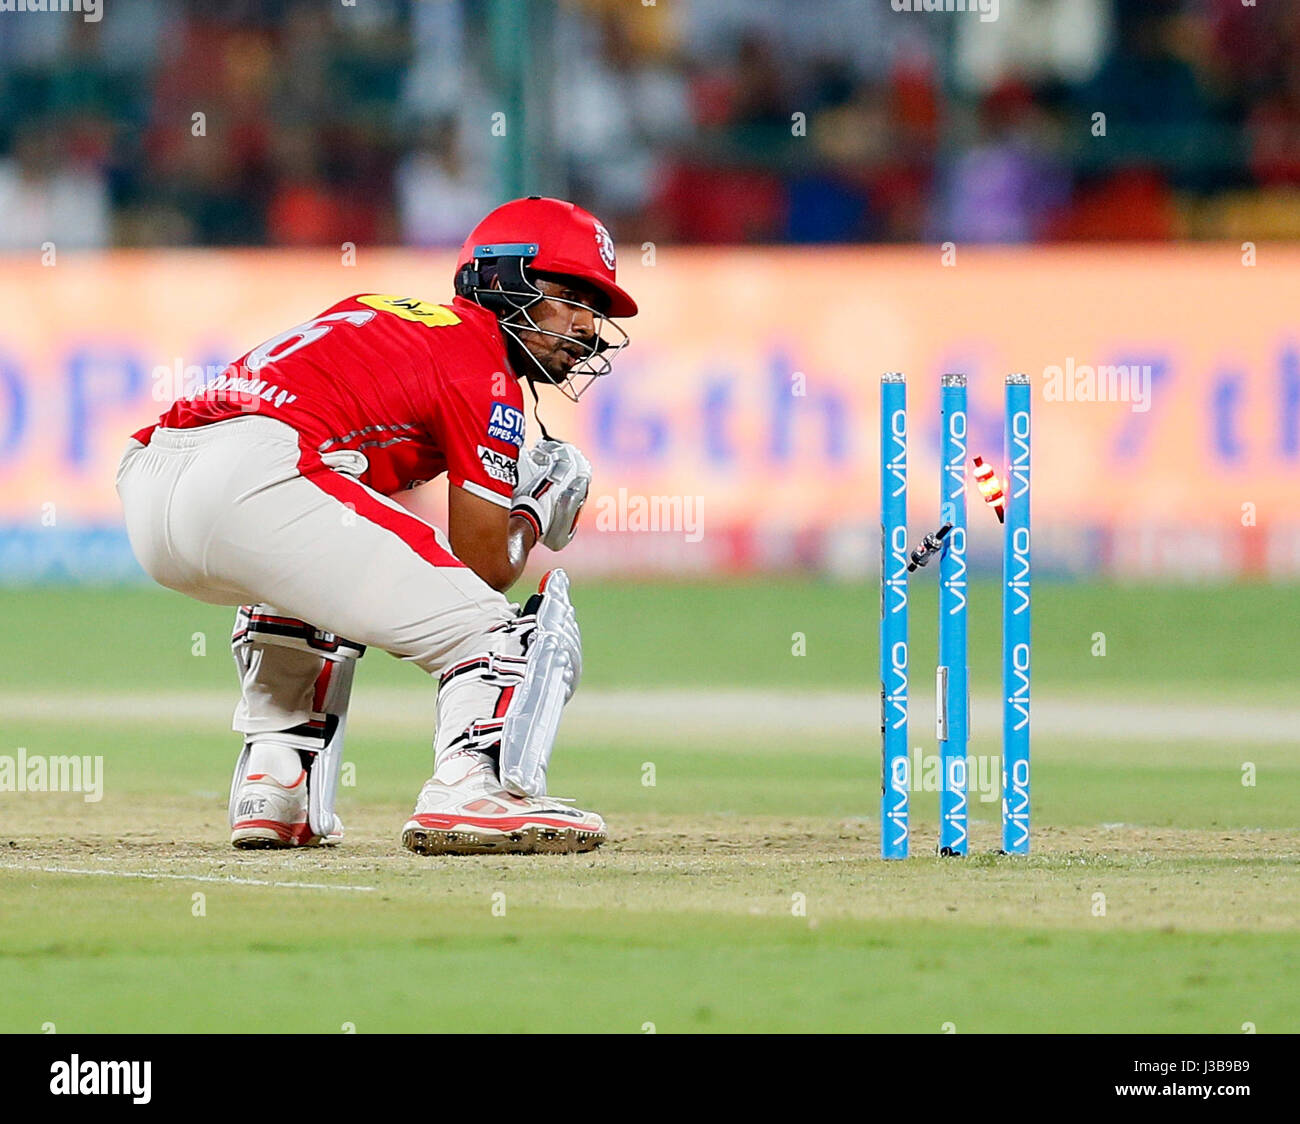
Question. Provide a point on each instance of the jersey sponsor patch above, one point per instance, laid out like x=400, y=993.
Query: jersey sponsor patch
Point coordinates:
x=410, y=308
x=506, y=424
x=499, y=466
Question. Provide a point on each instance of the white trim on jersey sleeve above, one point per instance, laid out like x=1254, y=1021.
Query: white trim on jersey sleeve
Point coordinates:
x=486, y=493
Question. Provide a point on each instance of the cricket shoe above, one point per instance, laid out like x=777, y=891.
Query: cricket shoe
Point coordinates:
x=271, y=814
x=476, y=816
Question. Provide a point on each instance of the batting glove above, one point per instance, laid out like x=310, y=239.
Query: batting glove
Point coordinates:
x=553, y=480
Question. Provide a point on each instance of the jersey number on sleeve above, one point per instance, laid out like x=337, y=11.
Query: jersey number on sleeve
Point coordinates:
x=300, y=336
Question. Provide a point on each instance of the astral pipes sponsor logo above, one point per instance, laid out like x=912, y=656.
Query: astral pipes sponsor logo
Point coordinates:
x=38, y=773
x=114, y=1079
x=506, y=424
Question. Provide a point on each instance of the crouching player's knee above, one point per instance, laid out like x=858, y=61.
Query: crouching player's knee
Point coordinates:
x=452, y=630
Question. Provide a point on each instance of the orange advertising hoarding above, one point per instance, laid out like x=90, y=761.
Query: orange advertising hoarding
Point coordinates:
x=740, y=429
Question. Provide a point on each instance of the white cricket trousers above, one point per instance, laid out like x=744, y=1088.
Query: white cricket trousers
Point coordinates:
x=221, y=513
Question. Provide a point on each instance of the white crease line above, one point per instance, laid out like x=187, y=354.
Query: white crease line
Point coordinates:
x=228, y=879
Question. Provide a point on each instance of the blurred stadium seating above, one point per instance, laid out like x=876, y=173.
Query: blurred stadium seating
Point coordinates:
x=709, y=121
x=310, y=150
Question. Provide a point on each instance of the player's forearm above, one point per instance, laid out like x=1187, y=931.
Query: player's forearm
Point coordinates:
x=491, y=542
x=520, y=540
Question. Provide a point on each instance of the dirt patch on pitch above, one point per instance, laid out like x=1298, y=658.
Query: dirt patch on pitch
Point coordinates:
x=765, y=866
x=171, y=830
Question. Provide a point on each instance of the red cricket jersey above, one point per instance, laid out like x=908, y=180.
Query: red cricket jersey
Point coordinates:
x=418, y=388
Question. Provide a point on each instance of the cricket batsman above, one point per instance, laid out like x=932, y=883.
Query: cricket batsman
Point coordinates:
x=269, y=489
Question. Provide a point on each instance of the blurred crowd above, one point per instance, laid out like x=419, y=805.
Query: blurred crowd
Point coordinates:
x=305, y=122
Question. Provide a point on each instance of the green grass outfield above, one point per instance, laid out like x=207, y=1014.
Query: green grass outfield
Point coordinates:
x=1218, y=640
x=742, y=891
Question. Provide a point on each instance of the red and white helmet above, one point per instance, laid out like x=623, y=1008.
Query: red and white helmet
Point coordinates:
x=564, y=238
x=527, y=237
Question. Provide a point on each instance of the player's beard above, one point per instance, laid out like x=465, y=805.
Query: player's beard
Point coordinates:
x=530, y=366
